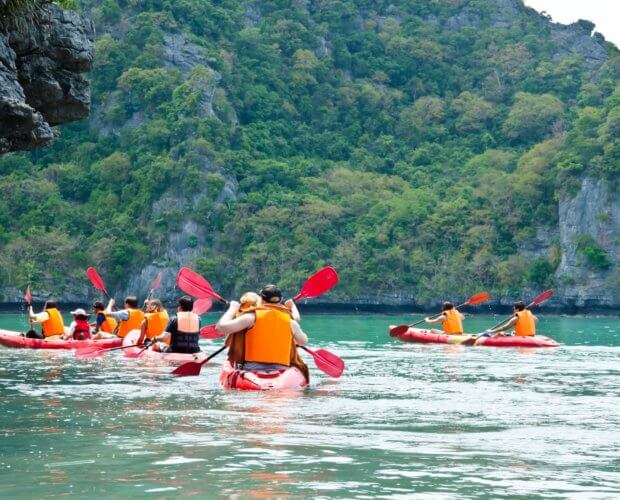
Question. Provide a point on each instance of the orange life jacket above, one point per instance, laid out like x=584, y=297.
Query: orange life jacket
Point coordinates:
x=156, y=323
x=525, y=325
x=136, y=316
x=270, y=338
x=452, y=324
x=108, y=325
x=54, y=325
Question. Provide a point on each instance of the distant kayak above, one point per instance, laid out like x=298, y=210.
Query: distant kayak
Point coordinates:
x=425, y=336
x=288, y=379
x=13, y=339
x=171, y=358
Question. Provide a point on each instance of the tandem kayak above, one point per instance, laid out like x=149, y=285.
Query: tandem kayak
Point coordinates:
x=171, y=358
x=428, y=337
x=289, y=379
x=9, y=338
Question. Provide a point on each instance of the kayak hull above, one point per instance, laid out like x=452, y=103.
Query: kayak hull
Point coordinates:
x=290, y=379
x=169, y=358
x=424, y=336
x=13, y=339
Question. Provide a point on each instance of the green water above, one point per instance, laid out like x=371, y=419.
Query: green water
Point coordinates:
x=405, y=420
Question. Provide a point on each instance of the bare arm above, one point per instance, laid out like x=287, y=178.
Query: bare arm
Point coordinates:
x=291, y=306
x=439, y=319
x=511, y=322
x=298, y=335
x=228, y=324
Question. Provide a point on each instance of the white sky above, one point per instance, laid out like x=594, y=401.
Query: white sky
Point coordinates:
x=604, y=13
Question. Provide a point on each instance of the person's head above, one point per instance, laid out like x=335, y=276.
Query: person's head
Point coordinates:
x=271, y=294
x=520, y=306
x=249, y=299
x=447, y=306
x=50, y=304
x=154, y=305
x=80, y=314
x=131, y=302
x=185, y=303
x=98, y=306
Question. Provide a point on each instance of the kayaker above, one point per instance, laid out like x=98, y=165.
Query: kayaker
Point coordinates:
x=266, y=336
x=155, y=321
x=182, y=332
x=102, y=322
x=79, y=329
x=523, y=321
x=50, y=319
x=128, y=319
x=450, y=318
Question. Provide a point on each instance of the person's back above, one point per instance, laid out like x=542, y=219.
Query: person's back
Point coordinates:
x=525, y=325
x=182, y=332
x=156, y=319
x=50, y=320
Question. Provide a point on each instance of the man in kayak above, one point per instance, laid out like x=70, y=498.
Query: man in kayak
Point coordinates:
x=50, y=319
x=128, y=319
x=79, y=329
x=155, y=321
x=183, y=330
x=102, y=322
x=267, y=335
x=523, y=321
x=451, y=320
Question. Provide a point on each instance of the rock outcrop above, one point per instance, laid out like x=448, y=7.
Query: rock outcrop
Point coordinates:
x=41, y=78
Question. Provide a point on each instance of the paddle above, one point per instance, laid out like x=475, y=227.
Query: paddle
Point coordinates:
x=193, y=367
x=201, y=306
x=97, y=281
x=96, y=352
x=195, y=285
x=28, y=299
x=478, y=298
x=326, y=361
x=546, y=295
x=155, y=285
x=209, y=332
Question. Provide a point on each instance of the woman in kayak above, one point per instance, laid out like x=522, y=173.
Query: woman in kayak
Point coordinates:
x=266, y=336
x=50, y=319
x=451, y=320
x=128, y=319
x=79, y=329
x=523, y=321
x=155, y=321
x=182, y=332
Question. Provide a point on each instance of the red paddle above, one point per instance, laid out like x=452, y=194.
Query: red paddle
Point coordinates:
x=478, y=298
x=97, y=280
x=195, y=285
x=96, y=352
x=209, y=332
x=155, y=284
x=193, y=368
x=201, y=306
x=317, y=284
x=326, y=361
x=28, y=296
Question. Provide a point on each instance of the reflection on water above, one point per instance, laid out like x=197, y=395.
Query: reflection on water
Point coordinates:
x=448, y=420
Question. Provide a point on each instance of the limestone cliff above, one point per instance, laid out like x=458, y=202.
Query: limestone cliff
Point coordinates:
x=41, y=77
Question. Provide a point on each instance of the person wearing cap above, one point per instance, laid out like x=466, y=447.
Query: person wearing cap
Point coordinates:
x=266, y=336
x=451, y=320
x=183, y=330
x=50, y=319
x=128, y=319
x=79, y=329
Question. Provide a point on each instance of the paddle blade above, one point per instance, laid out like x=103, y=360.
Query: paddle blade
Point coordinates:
x=319, y=283
x=201, y=306
x=89, y=353
x=209, y=332
x=399, y=330
x=95, y=279
x=190, y=369
x=327, y=362
x=157, y=281
x=541, y=298
x=479, y=298
x=28, y=296
x=195, y=285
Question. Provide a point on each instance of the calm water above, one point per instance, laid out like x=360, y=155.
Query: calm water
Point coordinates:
x=405, y=420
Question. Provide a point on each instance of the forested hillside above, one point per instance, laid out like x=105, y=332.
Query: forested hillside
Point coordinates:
x=420, y=147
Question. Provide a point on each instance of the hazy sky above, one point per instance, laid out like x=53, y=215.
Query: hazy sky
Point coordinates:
x=604, y=13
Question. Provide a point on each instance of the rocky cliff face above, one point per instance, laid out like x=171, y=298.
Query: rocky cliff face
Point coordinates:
x=41, y=78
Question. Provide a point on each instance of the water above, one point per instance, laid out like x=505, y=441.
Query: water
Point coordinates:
x=430, y=421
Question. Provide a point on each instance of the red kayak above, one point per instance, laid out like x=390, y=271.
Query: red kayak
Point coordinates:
x=428, y=337
x=289, y=379
x=9, y=338
x=170, y=358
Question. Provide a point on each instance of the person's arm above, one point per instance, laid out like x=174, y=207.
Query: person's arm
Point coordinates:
x=298, y=335
x=167, y=333
x=435, y=320
x=461, y=315
x=143, y=327
x=122, y=315
x=228, y=324
x=39, y=318
x=535, y=318
x=110, y=306
x=291, y=306
x=69, y=334
x=511, y=322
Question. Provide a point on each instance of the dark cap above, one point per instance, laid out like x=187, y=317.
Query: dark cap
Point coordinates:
x=271, y=294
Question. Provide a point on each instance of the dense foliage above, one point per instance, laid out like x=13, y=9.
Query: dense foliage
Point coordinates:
x=414, y=155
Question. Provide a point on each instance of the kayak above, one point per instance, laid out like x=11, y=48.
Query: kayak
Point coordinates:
x=289, y=379
x=9, y=338
x=428, y=337
x=172, y=358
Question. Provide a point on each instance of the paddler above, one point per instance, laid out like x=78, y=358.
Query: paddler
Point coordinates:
x=50, y=319
x=523, y=321
x=79, y=329
x=182, y=332
x=266, y=335
x=450, y=318
x=102, y=322
x=155, y=321
x=128, y=319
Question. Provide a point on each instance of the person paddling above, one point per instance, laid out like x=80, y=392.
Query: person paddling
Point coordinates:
x=155, y=321
x=102, y=323
x=266, y=335
x=128, y=319
x=50, y=320
x=450, y=318
x=523, y=321
x=79, y=329
x=182, y=332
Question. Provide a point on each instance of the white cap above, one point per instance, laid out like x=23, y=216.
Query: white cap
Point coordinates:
x=80, y=312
